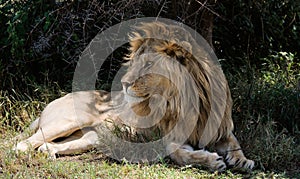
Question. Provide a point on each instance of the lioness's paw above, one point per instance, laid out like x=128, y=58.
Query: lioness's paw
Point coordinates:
x=49, y=149
x=239, y=162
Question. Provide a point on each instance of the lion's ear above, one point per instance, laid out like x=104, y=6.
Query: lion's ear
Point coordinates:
x=186, y=52
x=186, y=46
x=180, y=52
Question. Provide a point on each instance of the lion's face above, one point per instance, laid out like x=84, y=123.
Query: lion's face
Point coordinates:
x=144, y=80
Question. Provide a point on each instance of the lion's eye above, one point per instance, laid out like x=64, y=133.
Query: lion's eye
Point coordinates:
x=148, y=64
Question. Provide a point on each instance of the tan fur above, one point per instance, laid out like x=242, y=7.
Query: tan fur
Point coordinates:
x=170, y=80
x=199, y=70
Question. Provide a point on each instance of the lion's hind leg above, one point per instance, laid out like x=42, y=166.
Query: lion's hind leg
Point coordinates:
x=233, y=154
x=46, y=133
x=78, y=142
x=25, y=144
x=186, y=155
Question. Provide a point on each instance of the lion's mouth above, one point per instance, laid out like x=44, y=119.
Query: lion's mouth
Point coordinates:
x=131, y=97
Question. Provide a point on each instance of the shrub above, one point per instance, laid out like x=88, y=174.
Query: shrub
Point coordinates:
x=245, y=31
x=266, y=110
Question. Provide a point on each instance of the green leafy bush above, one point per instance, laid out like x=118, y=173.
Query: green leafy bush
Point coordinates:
x=281, y=69
x=278, y=91
x=266, y=111
x=249, y=30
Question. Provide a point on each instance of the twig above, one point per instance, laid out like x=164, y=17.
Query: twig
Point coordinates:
x=210, y=10
x=42, y=20
x=161, y=9
x=45, y=141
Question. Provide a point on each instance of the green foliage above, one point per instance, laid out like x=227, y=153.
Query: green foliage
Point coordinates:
x=281, y=69
x=272, y=91
x=250, y=30
x=17, y=57
x=266, y=111
x=43, y=39
x=16, y=28
x=278, y=90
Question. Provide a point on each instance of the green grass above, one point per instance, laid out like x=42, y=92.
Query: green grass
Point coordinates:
x=94, y=165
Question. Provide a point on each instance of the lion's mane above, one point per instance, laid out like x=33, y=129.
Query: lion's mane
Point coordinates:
x=211, y=89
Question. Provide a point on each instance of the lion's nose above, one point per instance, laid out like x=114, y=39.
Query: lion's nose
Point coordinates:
x=126, y=85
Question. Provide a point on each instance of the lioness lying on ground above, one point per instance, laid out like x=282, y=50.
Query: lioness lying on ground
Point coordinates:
x=171, y=86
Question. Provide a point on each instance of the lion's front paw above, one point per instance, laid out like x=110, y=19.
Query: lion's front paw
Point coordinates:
x=242, y=162
x=217, y=163
x=49, y=149
x=212, y=160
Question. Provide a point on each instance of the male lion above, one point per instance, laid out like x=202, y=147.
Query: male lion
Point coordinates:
x=171, y=85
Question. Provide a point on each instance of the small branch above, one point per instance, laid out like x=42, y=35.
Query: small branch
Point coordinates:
x=161, y=9
x=209, y=9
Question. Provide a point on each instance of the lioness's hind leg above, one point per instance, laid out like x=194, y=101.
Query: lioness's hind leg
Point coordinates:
x=233, y=154
x=186, y=155
x=76, y=143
